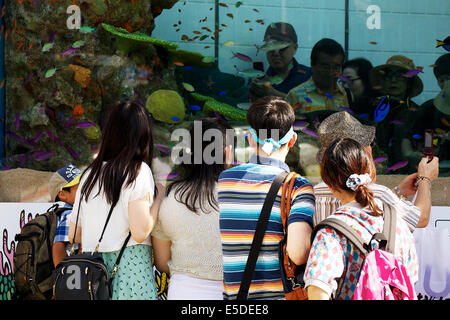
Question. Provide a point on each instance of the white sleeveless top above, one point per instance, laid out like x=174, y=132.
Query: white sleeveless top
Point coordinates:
x=94, y=212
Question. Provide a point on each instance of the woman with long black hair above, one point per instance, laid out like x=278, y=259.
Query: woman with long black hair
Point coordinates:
x=120, y=176
x=186, y=238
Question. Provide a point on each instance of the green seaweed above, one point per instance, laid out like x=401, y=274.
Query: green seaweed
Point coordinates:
x=126, y=41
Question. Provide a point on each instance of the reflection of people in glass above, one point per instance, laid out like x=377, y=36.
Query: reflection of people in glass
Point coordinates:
x=435, y=114
x=322, y=91
x=356, y=79
x=397, y=82
x=284, y=73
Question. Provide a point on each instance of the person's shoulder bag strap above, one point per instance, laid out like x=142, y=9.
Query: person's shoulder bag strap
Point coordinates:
x=259, y=236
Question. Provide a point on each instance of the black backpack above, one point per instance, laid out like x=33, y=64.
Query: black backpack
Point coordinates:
x=33, y=260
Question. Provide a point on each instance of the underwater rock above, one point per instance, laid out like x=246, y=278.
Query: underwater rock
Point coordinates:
x=87, y=73
x=166, y=106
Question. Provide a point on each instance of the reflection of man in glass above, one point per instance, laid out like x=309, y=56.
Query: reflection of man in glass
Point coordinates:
x=284, y=73
x=434, y=114
x=322, y=91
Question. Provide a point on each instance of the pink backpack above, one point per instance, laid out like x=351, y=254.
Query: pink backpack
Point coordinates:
x=382, y=276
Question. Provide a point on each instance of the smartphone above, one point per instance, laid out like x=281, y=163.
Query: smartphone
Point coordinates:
x=428, y=147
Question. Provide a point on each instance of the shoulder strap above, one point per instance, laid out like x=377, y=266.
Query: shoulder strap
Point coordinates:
x=386, y=237
x=286, y=194
x=259, y=235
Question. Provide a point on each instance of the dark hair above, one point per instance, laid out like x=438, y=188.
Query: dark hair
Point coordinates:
x=327, y=46
x=442, y=66
x=341, y=159
x=271, y=113
x=196, y=187
x=363, y=68
x=127, y=142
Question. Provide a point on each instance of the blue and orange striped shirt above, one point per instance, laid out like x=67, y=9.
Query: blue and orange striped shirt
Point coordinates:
x=241, y=194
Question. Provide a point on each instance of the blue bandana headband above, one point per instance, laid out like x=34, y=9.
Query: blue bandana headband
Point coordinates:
x=270, y=145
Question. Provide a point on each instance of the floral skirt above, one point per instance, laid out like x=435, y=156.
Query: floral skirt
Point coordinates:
x=135, y=279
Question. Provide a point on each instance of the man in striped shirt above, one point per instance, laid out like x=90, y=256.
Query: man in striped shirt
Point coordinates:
x=241, y=194
x=343, y=125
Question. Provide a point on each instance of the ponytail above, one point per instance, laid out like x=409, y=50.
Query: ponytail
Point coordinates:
x=364, y=196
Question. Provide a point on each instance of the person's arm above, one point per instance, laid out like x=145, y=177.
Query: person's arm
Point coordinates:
x=58, y=252
x=141, y=222
x=423, y=198
x=298, y=242
x=163, y=254
x=72, y=231
x=315, y=293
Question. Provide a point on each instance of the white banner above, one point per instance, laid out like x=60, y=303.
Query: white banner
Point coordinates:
x=433, y=250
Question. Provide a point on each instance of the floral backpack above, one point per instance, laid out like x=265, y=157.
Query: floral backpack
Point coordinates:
x=382, y=276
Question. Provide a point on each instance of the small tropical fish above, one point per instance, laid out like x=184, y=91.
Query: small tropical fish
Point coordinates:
x=203, y=37
x=47, y=47
x=238, y=4
x=444, y=44
x=309, y=132
x=251, y=73
x=175, y=119
x=195, y=108
x=208, y=59
x=247, y=21
x=67, y=52
x=69, y=121
x=364, y=115
x=78, y=44
x=42, y=155
x=50, y=73
x=223, y=4
x=188, y=87
x=85, y=124
x=307, y=99
x=329, y=95
x=222, y=93
x=162, y=149
x=272, y=46
x=17, y=122
x=417, y=136
x=300, y=124
x=341, y=77
x=379, y=159
x=86, y=29
x=230, y=15
x=397, y=166
x=412, y=73
x=256, y=10
x=241, y=56
x=179, y=63
x=197, y=32
x=228, y=43
x=382, y=110
x=373, y=42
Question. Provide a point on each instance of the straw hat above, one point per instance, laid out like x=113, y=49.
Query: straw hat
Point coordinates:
x=343, y=125
x=397, y=62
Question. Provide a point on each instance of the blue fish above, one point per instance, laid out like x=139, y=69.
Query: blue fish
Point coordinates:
x=175, y=119
x=417, y=136
x=307, y=99
x=329, y=95
x=381, y=111
x=222, y=93
x=364, y=115
x=195, y=108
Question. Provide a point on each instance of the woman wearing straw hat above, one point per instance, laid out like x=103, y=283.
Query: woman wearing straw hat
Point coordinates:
x=397, y=81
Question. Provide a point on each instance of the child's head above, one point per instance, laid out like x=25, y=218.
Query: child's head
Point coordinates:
x=346, y=167
x=271, y=120
x=64, y=184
